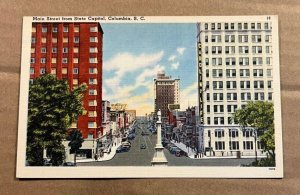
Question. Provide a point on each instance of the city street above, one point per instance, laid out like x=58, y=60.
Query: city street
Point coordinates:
x=142, y=157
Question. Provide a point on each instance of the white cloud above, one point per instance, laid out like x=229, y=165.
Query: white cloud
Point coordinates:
x=188, y=96
x=175, y=66
x=181, y=50
x=172, y=58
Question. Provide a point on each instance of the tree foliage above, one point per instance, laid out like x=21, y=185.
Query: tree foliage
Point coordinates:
x=76, y=140
x=260, y=116
x=52, y=107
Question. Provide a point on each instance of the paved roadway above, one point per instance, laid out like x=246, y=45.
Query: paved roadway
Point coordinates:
x=142, y=157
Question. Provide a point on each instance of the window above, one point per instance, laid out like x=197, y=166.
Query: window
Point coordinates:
x=231, y=96
x=92, y=92
x=54, y=50
x=75, y=70
x=44, y=29
x=90, y=135
x=31, y=70
x=258, y=26
x=54, y=29
x=243, y=38
x=92, y=125
x=53, y=70
x=233, y=133
x=207, y=97
x=266, y=26
x=92, y=103
x=232, y=26
x=66, y=29
x=243, y=49
x=75, y=50
x=219, y=26
x=92, y=70
x=75, y=60
x=206, y=49
x=230, y=73
x=269, y=84
x=92, y=81
x=245, y=84
x=217, y=73
x=65, y=60
x=217, y=84
x=270, y=96
x=206, y=61
x=268, y=38
x=53, y=60
x=256, y=49
x=231, y=108
x=93, y=50
x=76, y=28
x=229, y=49
x=75, y=81
x=245, y=96
x=207, y=73
x=93, y=39
x=208, y=108
x=226, y=26
x=252, y=26
x=65, y=40
x=244, y=61
x=43, y=50
x=244, y=72
x=248, y=133
x=259, y=96
x=220, y=145
x=42, y=71
x=212, y=26
x=33, y=29
x=93, y=29
x=54, y=40
x=33, y=39
x=44, y=40
x=248, y=145
x=257, y=61
x=64, y=70
x=240, y=26
x=208, y=120
x=258, y=72
x=206, y=26
x=32, y=50
x=92, y=114
x=245, y=26
x=268, y=49
x=76, y=39
x=231, y=84
x=233, y=145
x=219, y=133
x=269, y=61
x=256, y=38
x=65, y=50
x=43, y=60
x=32, y=60
x=93, y=60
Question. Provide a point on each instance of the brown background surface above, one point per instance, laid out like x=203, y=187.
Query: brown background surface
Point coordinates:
x=11, y=14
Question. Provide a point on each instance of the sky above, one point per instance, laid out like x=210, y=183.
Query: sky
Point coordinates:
x=134, y=53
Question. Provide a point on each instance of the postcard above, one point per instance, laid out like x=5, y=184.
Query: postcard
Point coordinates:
x=150, y=97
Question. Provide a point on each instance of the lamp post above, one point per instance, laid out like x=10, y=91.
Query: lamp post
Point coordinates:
x=159, y=158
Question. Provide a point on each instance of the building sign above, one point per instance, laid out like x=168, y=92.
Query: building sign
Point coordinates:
x=173, y=106
x=118, y=107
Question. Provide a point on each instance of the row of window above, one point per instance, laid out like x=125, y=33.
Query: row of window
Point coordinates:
x=63, y=70
x=234, y=145
x=241, y=38
x=64, y=40
x=218, y=73
x=239, y=26
x=64, y=50
x=243, y=84
x=64, y=60
x=65, y=29
x=242, y=49
x=243, y=61
x=233, y=96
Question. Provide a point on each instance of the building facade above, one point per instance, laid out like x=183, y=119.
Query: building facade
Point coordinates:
x=166, y=91
x=72, y=51
x=234, y=67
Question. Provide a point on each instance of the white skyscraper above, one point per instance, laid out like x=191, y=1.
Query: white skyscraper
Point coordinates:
x=234, y=67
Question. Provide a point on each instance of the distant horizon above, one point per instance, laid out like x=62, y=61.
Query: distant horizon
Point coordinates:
x=134, y=53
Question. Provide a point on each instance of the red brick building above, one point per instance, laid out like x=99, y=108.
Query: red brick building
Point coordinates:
x=72, y=51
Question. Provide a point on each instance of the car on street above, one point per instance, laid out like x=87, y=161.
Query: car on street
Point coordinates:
x=121, y=149
x=180, y=153
x=143, y=146
x=69, y=164
x=173, y=149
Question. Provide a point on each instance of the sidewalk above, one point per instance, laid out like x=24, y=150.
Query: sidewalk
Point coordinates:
x=106, y=156
x=191, y=153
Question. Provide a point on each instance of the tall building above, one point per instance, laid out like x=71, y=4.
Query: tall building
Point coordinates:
x=234, y=67
x=166, y=91
x=72, y=51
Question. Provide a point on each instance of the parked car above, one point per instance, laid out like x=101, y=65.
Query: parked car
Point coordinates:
x=180, y=153
x=173, y=149
x=69, y=164
x=122, y=149
x=143, y=146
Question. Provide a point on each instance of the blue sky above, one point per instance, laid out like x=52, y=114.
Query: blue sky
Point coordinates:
x=132, y=55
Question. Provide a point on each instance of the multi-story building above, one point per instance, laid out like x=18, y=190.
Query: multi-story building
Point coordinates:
x=106, y=117
x=234, y=67
x=72, y=51
x=166, y=91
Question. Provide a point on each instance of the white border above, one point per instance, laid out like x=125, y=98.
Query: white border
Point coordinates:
x=137, y=171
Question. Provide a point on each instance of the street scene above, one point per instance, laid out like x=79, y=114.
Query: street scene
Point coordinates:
x=190, y=94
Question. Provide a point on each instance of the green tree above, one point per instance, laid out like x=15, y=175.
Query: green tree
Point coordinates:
x=260, y=116
x=76, y=140
x=52, y=107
